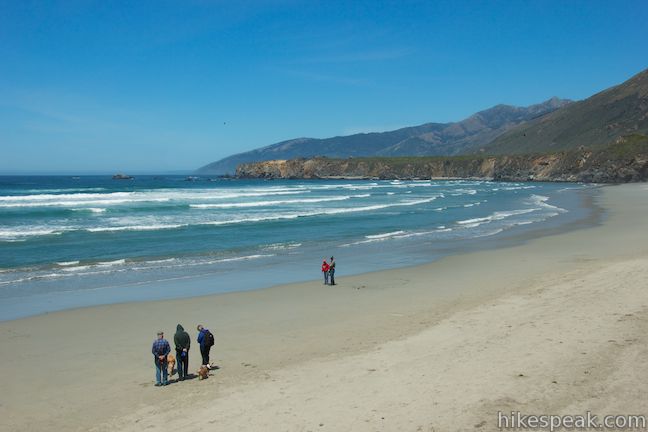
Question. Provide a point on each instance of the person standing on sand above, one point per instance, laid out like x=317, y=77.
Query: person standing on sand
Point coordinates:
x=206, y=340
x=160, y=351
x=325, y=270
x=182, y=343
x=332, y=270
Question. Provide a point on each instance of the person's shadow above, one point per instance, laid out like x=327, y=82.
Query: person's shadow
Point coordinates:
x=188, y=377
x=192, y=376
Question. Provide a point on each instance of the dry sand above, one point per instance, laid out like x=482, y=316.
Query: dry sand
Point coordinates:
x=556, y=325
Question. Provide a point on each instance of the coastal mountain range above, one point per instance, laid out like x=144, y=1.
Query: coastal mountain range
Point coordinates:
x=430, y=139
x=554, y=126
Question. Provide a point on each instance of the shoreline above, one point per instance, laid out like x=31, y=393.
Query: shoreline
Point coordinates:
x=196, y=284
x=271, y=343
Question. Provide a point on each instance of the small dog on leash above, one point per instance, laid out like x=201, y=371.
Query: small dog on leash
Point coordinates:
x=203, y=372
x=171, y=362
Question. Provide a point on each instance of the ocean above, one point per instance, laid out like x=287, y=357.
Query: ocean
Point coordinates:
x=70, y=242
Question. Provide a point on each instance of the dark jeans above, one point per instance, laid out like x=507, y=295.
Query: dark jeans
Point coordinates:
x=160, y=371
x=204, y=352
x=332, y=276
x=182, y=364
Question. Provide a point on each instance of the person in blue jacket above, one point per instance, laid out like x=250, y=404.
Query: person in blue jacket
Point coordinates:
x=205, y=345
x=160, y=350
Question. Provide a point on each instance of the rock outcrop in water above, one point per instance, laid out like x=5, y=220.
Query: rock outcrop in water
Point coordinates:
x=121, y=176
x=624, y=161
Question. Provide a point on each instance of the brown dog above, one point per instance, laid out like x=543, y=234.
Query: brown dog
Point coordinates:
x=171, y=361
x=203, y=373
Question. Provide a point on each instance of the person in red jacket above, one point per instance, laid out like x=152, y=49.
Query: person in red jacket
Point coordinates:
x=325, y=270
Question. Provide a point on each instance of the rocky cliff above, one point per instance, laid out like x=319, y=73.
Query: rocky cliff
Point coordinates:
x=626, y=160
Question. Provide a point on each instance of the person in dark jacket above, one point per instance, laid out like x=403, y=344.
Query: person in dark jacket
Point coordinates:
x=182, y=343
x=332, y=271
x=204, y=345
x=160, y=351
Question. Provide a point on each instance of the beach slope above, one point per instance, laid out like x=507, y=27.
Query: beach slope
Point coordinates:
x=556, y=325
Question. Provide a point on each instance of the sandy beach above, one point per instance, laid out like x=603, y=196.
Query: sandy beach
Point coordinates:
x=556, y=325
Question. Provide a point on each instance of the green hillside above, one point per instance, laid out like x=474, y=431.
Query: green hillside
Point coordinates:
x=598, y=120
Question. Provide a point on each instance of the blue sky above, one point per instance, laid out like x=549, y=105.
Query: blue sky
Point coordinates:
x=162, y=85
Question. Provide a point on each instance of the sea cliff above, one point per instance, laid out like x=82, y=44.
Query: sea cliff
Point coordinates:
x=624, y=161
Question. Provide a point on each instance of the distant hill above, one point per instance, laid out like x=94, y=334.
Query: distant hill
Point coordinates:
x=430, y=139
x=598, y=120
